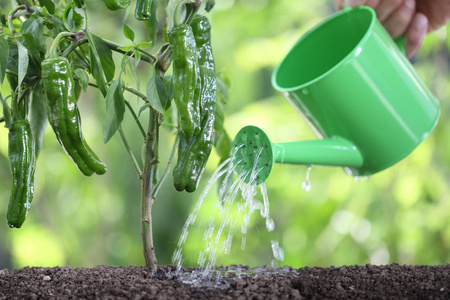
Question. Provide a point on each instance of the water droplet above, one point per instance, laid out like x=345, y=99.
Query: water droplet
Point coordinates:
x=270, y=225
x=278, y=252
x=306, y=185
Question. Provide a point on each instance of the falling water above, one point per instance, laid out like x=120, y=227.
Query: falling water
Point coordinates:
x=306, y=185
x=229, y=206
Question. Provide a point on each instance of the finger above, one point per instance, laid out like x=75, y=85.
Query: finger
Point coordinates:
x=386, y=8
x=415, y=34
x=397, y=23
x=373, y=3
x=339, y=4
x=354, y=3
x=437, y=12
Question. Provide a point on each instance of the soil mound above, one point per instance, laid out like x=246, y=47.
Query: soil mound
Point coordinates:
x=233, y=282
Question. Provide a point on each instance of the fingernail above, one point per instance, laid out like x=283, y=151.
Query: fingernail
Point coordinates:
x=410, y=4
x=420, y=22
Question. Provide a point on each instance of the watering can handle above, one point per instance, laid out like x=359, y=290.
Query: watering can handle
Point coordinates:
x=400, y=41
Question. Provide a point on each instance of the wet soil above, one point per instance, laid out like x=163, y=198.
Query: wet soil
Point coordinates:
x=234, y=282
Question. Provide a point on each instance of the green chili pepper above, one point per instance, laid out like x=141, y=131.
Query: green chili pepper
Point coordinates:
x=151, y=24
x=64, y=117
x=21, y=150
x=117, y=4
x=143, y=9
x=193, y=152
x=186, y=78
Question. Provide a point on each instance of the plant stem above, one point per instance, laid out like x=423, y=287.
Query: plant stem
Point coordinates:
x=11, y=16
x=148, y=179
x=136, y=92
x=54, y=47
x=130, y=153
x=73, y=46
x=145, y=55
x=167, y=169
x=128, y=89
x=130, y=108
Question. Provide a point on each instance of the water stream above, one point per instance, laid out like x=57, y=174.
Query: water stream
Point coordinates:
x=306, y=185
x=235, y=204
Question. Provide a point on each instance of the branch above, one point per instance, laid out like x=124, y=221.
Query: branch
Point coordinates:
x=130, y=108
x=128, y=89
x=167, y=169
x=11, y=16
x=130, y=153
x=73, y=46
x=136, y=92
x=145, y=55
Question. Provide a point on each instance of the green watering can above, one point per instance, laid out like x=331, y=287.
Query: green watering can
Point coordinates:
x=356, y=90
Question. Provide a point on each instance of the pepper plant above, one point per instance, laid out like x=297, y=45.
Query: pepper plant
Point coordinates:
x=48, y=55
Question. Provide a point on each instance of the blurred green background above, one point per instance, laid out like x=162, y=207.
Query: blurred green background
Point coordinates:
x=400, y=214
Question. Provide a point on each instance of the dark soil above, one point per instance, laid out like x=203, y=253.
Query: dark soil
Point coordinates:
x=234, y=282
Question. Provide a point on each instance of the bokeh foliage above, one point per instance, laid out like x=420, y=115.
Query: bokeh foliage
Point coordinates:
x=400, y=214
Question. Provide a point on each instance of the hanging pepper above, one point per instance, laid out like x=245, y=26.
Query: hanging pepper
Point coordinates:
x=21, y=151
x=193, y=152
x=143, y=9
x=64, y=117
x=186, y=78
x=151, y=23
x=117, y=4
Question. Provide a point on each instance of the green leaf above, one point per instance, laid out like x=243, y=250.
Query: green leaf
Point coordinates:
x=222, y=144
x=96, y=65
x=83, y=78
x=115, y=109
x=106, y=58
x=32, y=31
x=128, y=32
x=132, y=67
x=6, y=112
x=72, y=19
x=137, y=58
x=49, y=5
x=4, y=54
x=222, y=141
x=144, y=45
x=38, y=116
x=157, y=94
x=126, y=48
x=168, y=82
x=143, y=108
x=23, y=63
x=222, y=91
x=79, y=3
x=219, y=116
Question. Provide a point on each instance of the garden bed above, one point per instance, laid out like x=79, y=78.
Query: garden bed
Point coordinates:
x=234, y=282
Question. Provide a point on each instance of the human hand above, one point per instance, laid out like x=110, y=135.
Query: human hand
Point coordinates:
x=411, y=18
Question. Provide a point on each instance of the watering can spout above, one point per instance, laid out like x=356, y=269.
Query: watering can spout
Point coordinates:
x=254, y=153
x=336, y=151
